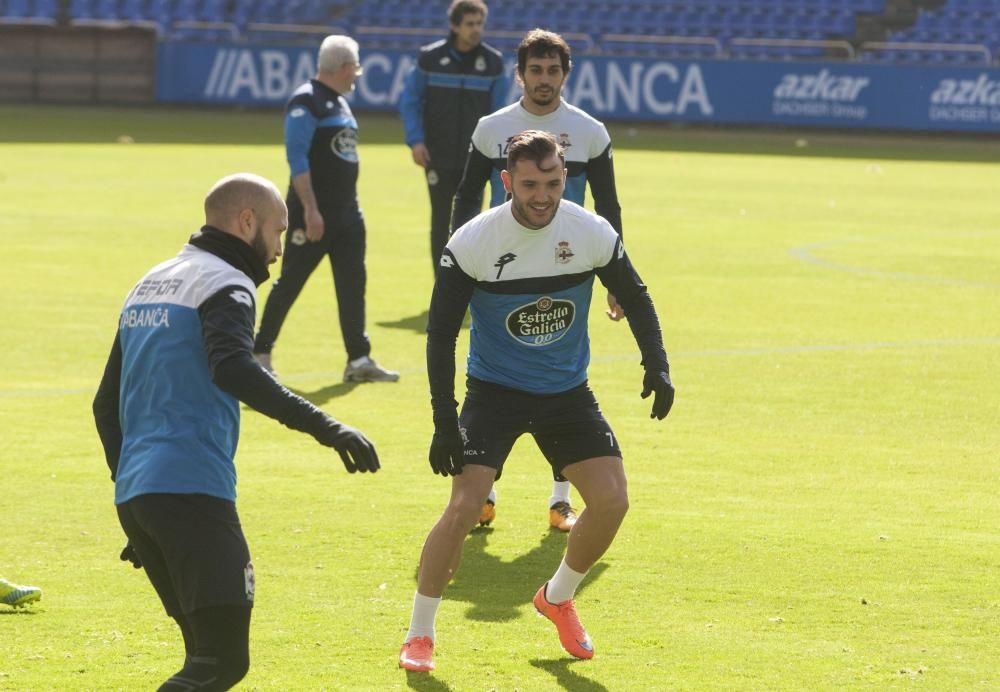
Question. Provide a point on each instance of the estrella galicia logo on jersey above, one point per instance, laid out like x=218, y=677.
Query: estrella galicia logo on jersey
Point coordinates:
x=563, y=252
x=503, y=260
x=542, y=322
x=242, y=297
x=345, y=145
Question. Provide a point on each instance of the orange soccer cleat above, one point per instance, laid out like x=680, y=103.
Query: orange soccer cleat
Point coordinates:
x=417, y=655
x=563, y=615
x=562, y=516
x=488, y=514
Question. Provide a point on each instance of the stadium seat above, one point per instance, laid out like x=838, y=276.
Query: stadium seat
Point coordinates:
x=81, y=9
x=46, y=10
x=15, y=9
x=106, y=10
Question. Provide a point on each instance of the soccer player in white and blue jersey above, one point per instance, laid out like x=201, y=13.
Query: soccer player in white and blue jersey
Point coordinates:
x=543, y=65
x=526, y=269
x=168, y=414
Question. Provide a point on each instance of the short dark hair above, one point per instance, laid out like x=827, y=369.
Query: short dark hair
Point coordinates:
x=460, y=8
x=539, y=43
x=534, y=145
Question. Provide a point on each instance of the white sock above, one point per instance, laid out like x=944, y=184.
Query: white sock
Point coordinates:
x=357, y=362
x=424, y=612
x=493, y=495
x=560, y=492
x=563, y=585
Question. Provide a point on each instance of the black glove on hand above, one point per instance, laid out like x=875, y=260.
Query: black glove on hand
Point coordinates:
x=356, y=451
x=658, y=381
x=447, y=449
x=129, y=555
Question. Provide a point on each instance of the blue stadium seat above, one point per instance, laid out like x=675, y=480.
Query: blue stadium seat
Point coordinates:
x=16, y=9
x=81, y=9
x=46, y=10
x=106, y=10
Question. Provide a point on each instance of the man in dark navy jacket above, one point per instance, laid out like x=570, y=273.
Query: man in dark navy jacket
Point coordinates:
x=321, y=144
x=455, y=82
x=167, y=411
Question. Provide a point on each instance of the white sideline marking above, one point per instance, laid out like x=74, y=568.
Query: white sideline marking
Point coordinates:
x=805, y=253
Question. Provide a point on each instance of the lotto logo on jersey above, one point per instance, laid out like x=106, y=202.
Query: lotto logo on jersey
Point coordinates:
x=542, y=322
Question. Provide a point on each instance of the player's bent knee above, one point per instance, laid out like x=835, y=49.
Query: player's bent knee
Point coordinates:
x=612, y=504
x=231, y=671
x=463, y=515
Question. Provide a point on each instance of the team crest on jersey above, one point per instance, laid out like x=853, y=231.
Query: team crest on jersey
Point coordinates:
x=445, y=60
x=345, y=145
x=480, y=63
x=564, y=140
x=432, y=177
x=541, y=322
x=298, y=237
x=563, y=252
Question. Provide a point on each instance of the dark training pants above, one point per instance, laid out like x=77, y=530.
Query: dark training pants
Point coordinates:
x=194, y=553
x=343, y=243
x=442, y=185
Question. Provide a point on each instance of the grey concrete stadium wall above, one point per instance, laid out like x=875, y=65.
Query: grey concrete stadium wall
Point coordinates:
x=79, y=64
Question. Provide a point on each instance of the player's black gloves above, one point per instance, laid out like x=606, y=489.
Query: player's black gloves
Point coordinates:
x=356, y=451
x=446, y=454
x=129, y=555
x=658, y=382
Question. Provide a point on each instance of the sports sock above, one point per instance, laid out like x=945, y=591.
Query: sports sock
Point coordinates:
x=560, y=492
x=563, y=585
x=358, y=362
x=492, y=497
x=424, y=612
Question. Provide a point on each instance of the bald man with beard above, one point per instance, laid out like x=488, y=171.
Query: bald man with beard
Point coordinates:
x=167, y=412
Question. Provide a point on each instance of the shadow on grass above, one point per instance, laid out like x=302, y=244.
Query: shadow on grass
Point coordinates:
x=424, y=681
x=484, y=580
x=23, y=611
x=418, y=323
x=567, y=678
x=325, y=394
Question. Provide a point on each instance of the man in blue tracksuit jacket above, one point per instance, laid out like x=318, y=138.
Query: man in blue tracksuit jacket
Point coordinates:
x=455, y=82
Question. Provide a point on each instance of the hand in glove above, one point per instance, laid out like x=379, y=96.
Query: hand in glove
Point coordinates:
x=356, y=451
x=447, y=449
x=658, y=382
x=129, y=555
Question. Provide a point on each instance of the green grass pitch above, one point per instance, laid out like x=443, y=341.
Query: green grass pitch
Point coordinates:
x=819, y=511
